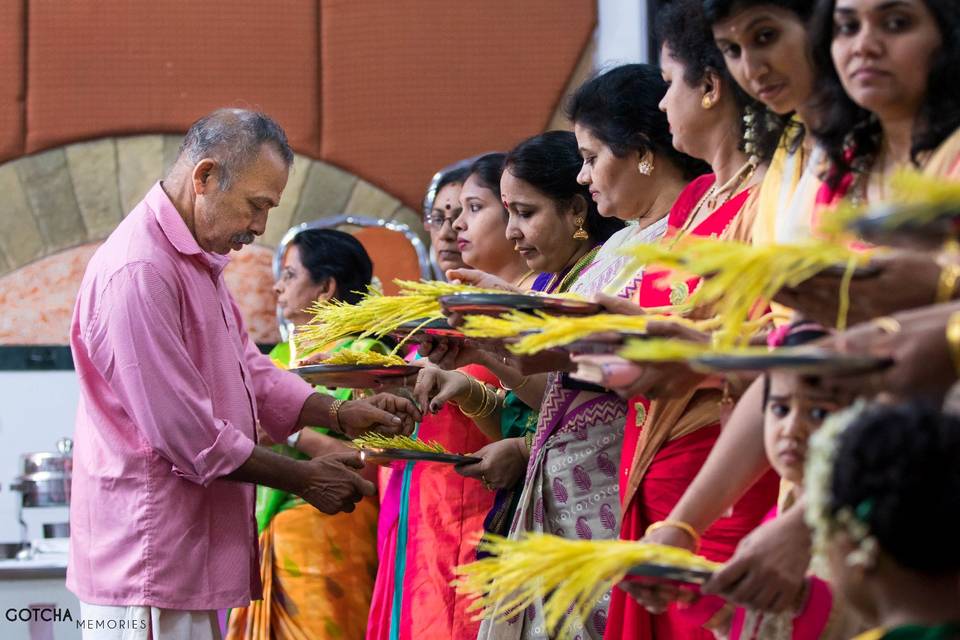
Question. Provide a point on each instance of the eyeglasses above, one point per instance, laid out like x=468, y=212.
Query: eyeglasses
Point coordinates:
x=436, y=221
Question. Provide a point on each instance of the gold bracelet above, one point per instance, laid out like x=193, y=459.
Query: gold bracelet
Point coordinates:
x=469, y=388
x=953, y=339
x=523, y=382
x=467, y=407
x=677, y=524
x=947, y=284
x=494, y=402
x=335, y=415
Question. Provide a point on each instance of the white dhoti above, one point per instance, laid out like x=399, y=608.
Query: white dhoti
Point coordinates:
x=105, y=622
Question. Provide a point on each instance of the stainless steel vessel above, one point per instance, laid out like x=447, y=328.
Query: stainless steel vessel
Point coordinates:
x=45, y=477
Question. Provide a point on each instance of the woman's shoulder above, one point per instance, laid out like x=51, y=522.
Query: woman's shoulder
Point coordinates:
x=945, y=161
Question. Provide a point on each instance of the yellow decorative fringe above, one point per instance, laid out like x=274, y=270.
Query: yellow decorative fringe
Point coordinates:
x=346, y=356
x=567, y=573
x=380, y=441
x=546, y=331
x=376, y=314
x=907, y=187
x=740, y=279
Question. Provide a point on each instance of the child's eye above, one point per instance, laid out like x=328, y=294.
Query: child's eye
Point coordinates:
x=819, y=414
x=779, y=410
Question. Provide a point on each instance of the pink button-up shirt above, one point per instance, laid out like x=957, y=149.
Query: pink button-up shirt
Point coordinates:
x=171, y=389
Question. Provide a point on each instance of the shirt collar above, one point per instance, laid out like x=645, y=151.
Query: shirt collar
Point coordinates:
x=176, y=231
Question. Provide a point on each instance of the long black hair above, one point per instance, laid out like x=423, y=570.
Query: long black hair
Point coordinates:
x=550, y=162
x=621, y=107
x=683, y=27
x=850, y=134
x=328, y=253
x=896, y=469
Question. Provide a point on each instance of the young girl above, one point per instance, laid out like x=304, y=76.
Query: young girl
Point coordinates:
x=883, y=497
x=795, y=406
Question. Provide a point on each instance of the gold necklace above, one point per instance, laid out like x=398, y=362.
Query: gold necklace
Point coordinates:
x=730, y=187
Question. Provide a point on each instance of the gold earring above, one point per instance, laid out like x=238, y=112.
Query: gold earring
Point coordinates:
x=645, y=166
x=706, y=102
x=580, y=233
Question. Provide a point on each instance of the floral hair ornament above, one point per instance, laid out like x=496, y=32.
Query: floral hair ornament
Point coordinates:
x=818, y=482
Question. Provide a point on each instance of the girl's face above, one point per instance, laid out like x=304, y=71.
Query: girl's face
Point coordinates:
x=688, y=119
x=794, y=411
x=443, y=238
x=765, y=47
x=296, y=290
x=482, y=228
x=541, y=233
x=616, y=184
x=882, y=50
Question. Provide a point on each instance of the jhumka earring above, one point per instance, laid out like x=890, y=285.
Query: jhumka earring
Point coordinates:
x=645, y=166
x=580, y=233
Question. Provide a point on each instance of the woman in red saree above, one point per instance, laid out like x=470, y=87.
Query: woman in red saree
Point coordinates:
x=666, y=440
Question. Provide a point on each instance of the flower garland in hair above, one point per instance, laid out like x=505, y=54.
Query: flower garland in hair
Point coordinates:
x=818, y=494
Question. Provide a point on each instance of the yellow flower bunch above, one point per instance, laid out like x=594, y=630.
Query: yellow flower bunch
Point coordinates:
x=376, y=314
x=740, y=279
x=541, y=331
x=349, y=357
x=568, y=573
x=380, y=441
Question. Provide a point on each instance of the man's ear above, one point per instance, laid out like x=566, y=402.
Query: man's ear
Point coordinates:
x=205, y=173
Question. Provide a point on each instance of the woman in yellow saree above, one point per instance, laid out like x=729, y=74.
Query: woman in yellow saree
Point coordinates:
x=317, y=570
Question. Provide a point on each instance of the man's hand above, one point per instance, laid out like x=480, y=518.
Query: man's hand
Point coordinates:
x=385, y=413
x=330, y=483
x=768, y=570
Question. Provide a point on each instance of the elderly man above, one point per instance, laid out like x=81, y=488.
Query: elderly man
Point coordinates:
x=172, y=390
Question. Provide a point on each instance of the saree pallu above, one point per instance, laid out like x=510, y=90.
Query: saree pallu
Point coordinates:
x=317, y=572
x=431, y=520
x=667, y=441
x=570, y=491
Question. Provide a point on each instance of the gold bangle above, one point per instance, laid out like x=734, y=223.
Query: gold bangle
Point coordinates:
x=677, y=524
x=953, y=339
x=888, y=325
x=469, y=388
x=467, y=407
x=523, y=381
x=947, y=284
x=335, y=415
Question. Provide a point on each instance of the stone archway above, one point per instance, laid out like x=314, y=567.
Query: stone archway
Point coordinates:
x=61, y=203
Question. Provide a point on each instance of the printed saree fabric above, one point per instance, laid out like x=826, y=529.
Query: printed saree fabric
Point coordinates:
x=317, y=570
x=667, y=441
x=570, y=488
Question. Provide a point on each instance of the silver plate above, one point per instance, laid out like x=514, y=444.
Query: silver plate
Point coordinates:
x=370, y=453
x=663, y=572
x=352, y=376
x=803, y=361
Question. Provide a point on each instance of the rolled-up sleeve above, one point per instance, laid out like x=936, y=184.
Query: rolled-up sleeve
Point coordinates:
x=280, y=394
x=135, y=339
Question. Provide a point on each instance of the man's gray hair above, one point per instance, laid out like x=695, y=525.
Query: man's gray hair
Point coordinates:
x=233, y=137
